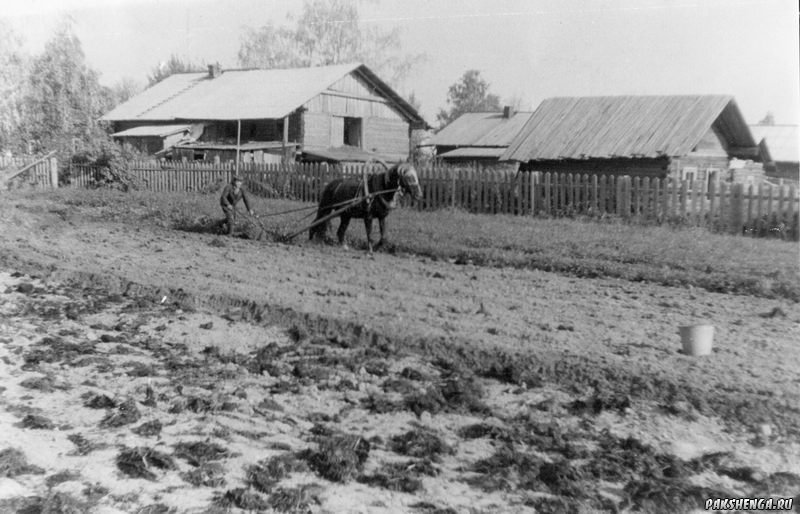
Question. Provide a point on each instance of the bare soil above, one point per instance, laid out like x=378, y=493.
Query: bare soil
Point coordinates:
x=149, y=368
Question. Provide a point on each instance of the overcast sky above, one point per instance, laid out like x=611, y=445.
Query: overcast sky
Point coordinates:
x=525, y=49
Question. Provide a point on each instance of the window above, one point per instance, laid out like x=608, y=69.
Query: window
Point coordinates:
x=688, y=173
x=352, y=132
x=713, y=176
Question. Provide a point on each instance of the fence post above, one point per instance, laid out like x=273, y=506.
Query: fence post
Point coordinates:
x=533, y=183
x=736, y=209
x=781, y=190
x=693, y=215
x=724, y=207
x=684, y=195
x=53, y=172
x=452, y=188
x=769, y=200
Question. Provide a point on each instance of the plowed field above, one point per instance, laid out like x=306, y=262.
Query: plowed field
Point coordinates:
x=145, y=367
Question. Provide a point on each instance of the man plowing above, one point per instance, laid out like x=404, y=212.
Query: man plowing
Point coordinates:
x=231, y=195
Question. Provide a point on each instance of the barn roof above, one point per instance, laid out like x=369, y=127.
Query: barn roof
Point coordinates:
x=246, y=94
x=629, y=127
x=783, y=141
x=481, y=129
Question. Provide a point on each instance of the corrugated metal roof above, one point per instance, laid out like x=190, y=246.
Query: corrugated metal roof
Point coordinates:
x=242, y=94
x=627, y=126
x=153, y=130
x=783, y=141
x=474, y=152
x=481, y=129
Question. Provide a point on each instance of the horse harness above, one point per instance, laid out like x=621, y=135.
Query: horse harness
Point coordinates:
x=368, y=196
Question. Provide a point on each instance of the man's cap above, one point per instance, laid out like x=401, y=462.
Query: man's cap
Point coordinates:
x=236, y=179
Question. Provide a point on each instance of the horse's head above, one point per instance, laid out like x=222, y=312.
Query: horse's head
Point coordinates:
x=408, y=180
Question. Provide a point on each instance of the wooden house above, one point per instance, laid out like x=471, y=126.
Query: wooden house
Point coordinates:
x=478, y=136
x=784, y=147
x=321, y=113
x=688, y=137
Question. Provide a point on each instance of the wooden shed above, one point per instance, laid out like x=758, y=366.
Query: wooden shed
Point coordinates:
x=784, y=147
x=288, y=113
x=154, y=139
x=686, y=136
x=478, y=136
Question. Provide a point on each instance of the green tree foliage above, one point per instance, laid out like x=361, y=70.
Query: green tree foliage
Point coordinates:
x=327, y=32
x=174, y=64
x=12, y=81
x=469, y=94
x=64, y=99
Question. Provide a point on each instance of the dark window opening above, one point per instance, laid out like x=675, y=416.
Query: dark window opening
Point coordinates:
x=352, y=132
x=230, y=130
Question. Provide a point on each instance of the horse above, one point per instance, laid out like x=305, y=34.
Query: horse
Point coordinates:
x=379, y=200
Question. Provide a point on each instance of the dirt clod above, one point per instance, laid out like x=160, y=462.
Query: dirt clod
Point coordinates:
x=208, y=474
x=242, y=498
x=36, y=422
x=138, y=462
x=82, y=445
x=126, y=413
x=400, y=476
x=294, y=500
x=340, y=457
x=267, y=473
x=148, y=428
x=421, y=443
x=66, y=475
x=13, y=463
x=99, y=401
x=200, y=452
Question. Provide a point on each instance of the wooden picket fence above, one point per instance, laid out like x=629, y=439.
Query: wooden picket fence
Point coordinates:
x=719, y=206
x=36, y=172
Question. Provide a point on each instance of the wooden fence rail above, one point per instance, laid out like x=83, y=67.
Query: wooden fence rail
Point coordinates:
x=726, y=207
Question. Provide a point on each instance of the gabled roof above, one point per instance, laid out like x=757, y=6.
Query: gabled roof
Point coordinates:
x=245, y=95
x=153, y=130
x=629, y=127
x=481, y=129
x=783, y=141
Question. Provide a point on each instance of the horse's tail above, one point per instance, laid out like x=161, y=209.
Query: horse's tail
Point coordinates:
x=326, y=199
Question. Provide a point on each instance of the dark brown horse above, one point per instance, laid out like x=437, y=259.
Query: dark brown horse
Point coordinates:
x=382, y=189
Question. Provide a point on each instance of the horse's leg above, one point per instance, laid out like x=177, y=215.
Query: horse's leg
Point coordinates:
x=368, y=227
x=382, y=225
x=343, y=222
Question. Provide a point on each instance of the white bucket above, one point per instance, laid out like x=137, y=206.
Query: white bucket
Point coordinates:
x=697, y=339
